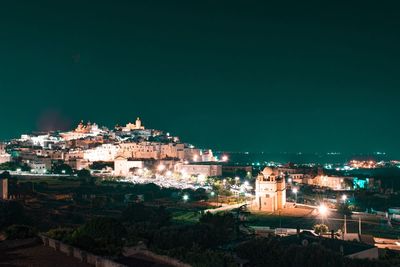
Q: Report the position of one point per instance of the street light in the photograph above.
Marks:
(295, 190)
(185, 197)
(344, 198)
(323, 211)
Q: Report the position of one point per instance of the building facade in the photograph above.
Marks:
(270, 191)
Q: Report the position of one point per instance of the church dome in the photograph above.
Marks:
(267, 171)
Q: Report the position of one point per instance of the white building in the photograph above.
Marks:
(208, 170)
(38, 167)
(105, 152)
(125, 167)
(4, 156)
(270, 191)
(82, 131)
(133, 126)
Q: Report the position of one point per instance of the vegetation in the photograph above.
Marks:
(100, 235)
(62, 168)
(344, 209)
(11, 212)
(320, 229)
(14, 165)
(19, 232)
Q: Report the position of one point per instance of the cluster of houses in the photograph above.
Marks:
(127, 148)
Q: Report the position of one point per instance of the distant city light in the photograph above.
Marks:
(295, 190)
(160, 167)
(185, 197)
(344, 198)
(224, 158)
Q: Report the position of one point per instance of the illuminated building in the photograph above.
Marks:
(208, 170)
(82, 131)
(270, 191)
(133, 126)
(105, 152)
(4, 156)
(124, 166)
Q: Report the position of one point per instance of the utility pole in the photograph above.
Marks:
(345, 225)
(359, 225)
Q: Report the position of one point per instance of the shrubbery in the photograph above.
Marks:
(18, 231)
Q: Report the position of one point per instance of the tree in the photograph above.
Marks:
(320, 229)
(62, 168)
(100, 235)
(86, 177)
(5, 175)
(19, 232)
(344, 209)
(11, 212)
(137, 212)
(222, 226)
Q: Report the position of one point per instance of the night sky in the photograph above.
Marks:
(230, 75)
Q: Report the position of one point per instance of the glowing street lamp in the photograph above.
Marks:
(344, 198)
(295, 191)
(185, 197)
(323, 211)
(224, 158)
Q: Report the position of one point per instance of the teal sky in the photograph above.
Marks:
(232, 75)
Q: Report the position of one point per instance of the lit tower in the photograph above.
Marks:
(138, 123)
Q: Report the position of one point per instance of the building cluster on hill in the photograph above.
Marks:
(127, 149)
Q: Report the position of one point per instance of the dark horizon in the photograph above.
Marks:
(230, 76)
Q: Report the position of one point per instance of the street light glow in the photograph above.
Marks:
(185, 197)
(295, 190)
(323, 210)
(344, 198)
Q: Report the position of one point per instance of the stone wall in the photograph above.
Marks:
(82, 255)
